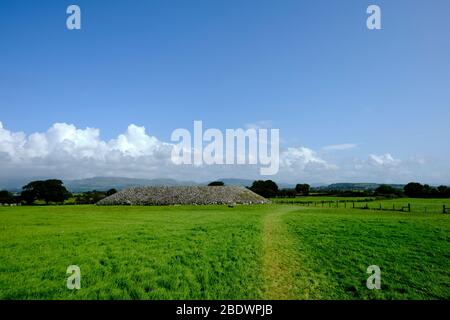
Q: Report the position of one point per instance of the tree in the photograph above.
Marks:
(386, 189)
(29, 196)
(287, 193)
(6, 197)
(30, 191)
(414, 190)
(48, 190)
(266, 189)
(110, 192)
(303, 189)
(443, 191)
(90, 197)
(216, 184)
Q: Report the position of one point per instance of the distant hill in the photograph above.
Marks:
(106, 183)
(119, 183)
(237, 182)
(15, 185)
(356, 186)
(248, 183)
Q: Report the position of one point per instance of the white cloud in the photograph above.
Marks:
(383, 160)
(10, 141)
(262, 124)
(67, 152)
(300, 158)
(340, 147)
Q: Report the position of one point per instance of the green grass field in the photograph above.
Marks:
(417, 205)
(319, 199)
(215, 252)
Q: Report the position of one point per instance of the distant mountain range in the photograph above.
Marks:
(119, 183)
(106, 183)
(356, 186)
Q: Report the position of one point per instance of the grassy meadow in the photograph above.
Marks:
(417, 205)
(214, 252)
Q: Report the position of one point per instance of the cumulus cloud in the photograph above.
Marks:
(299, 158)
(67, 152)
(65, 141)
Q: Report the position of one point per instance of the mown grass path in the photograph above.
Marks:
(280, 260)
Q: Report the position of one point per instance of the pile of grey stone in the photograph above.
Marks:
(195, 195)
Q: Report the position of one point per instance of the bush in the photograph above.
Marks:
(216, 184)
(287, 193)
(110, 192)
(387, 191)
(90, 197)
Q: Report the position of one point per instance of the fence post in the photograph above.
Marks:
(353, 204)
(345, 204)
(444, 210)
(409, 207)
(337, 204)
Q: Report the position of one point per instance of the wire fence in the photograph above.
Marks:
(372, 204)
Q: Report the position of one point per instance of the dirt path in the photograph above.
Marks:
(286, 277)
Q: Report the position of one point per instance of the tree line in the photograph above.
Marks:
(54, 191)
(269, 189)
(51, 191)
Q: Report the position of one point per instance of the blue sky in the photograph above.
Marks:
(310, 68)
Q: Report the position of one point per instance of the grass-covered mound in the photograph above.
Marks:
(200, 195)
